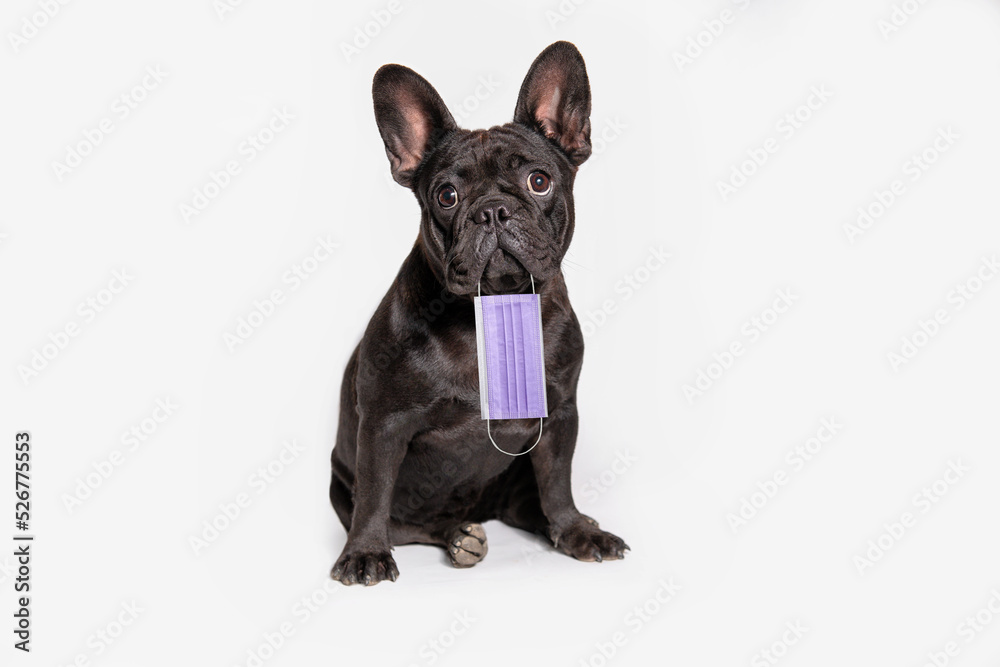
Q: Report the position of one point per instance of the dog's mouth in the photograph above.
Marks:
(502, 263)
(503, 273)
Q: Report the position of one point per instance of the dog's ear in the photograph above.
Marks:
(555, 100)
(411, 118)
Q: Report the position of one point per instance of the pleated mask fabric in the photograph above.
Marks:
(511, 356)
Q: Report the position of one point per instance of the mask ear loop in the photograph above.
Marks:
(479, 288)
(519, 453)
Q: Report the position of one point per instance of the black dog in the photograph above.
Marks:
(412, 462)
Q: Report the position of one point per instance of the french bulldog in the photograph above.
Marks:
(412, 462)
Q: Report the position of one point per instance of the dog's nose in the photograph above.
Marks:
(492, 213)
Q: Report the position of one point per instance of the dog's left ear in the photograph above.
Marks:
(555, 100)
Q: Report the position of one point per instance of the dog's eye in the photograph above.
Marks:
(447, 196)
(539, 183)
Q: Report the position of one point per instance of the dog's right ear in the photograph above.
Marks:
(411, 118)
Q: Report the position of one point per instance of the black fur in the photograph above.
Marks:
(412, 462)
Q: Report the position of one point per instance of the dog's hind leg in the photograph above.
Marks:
(465, 544)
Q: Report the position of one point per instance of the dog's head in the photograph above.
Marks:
(497, 204)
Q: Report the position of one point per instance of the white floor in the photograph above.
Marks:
(746, 158)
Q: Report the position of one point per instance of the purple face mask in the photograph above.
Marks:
(511, 356)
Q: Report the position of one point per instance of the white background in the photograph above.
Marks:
(669, 134)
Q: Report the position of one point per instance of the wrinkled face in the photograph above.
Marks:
(497, 206)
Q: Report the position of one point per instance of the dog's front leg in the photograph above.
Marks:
(366, 558)
(571, 532)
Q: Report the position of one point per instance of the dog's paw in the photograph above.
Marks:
(364, 567)
(583, 540)
(467, 545)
